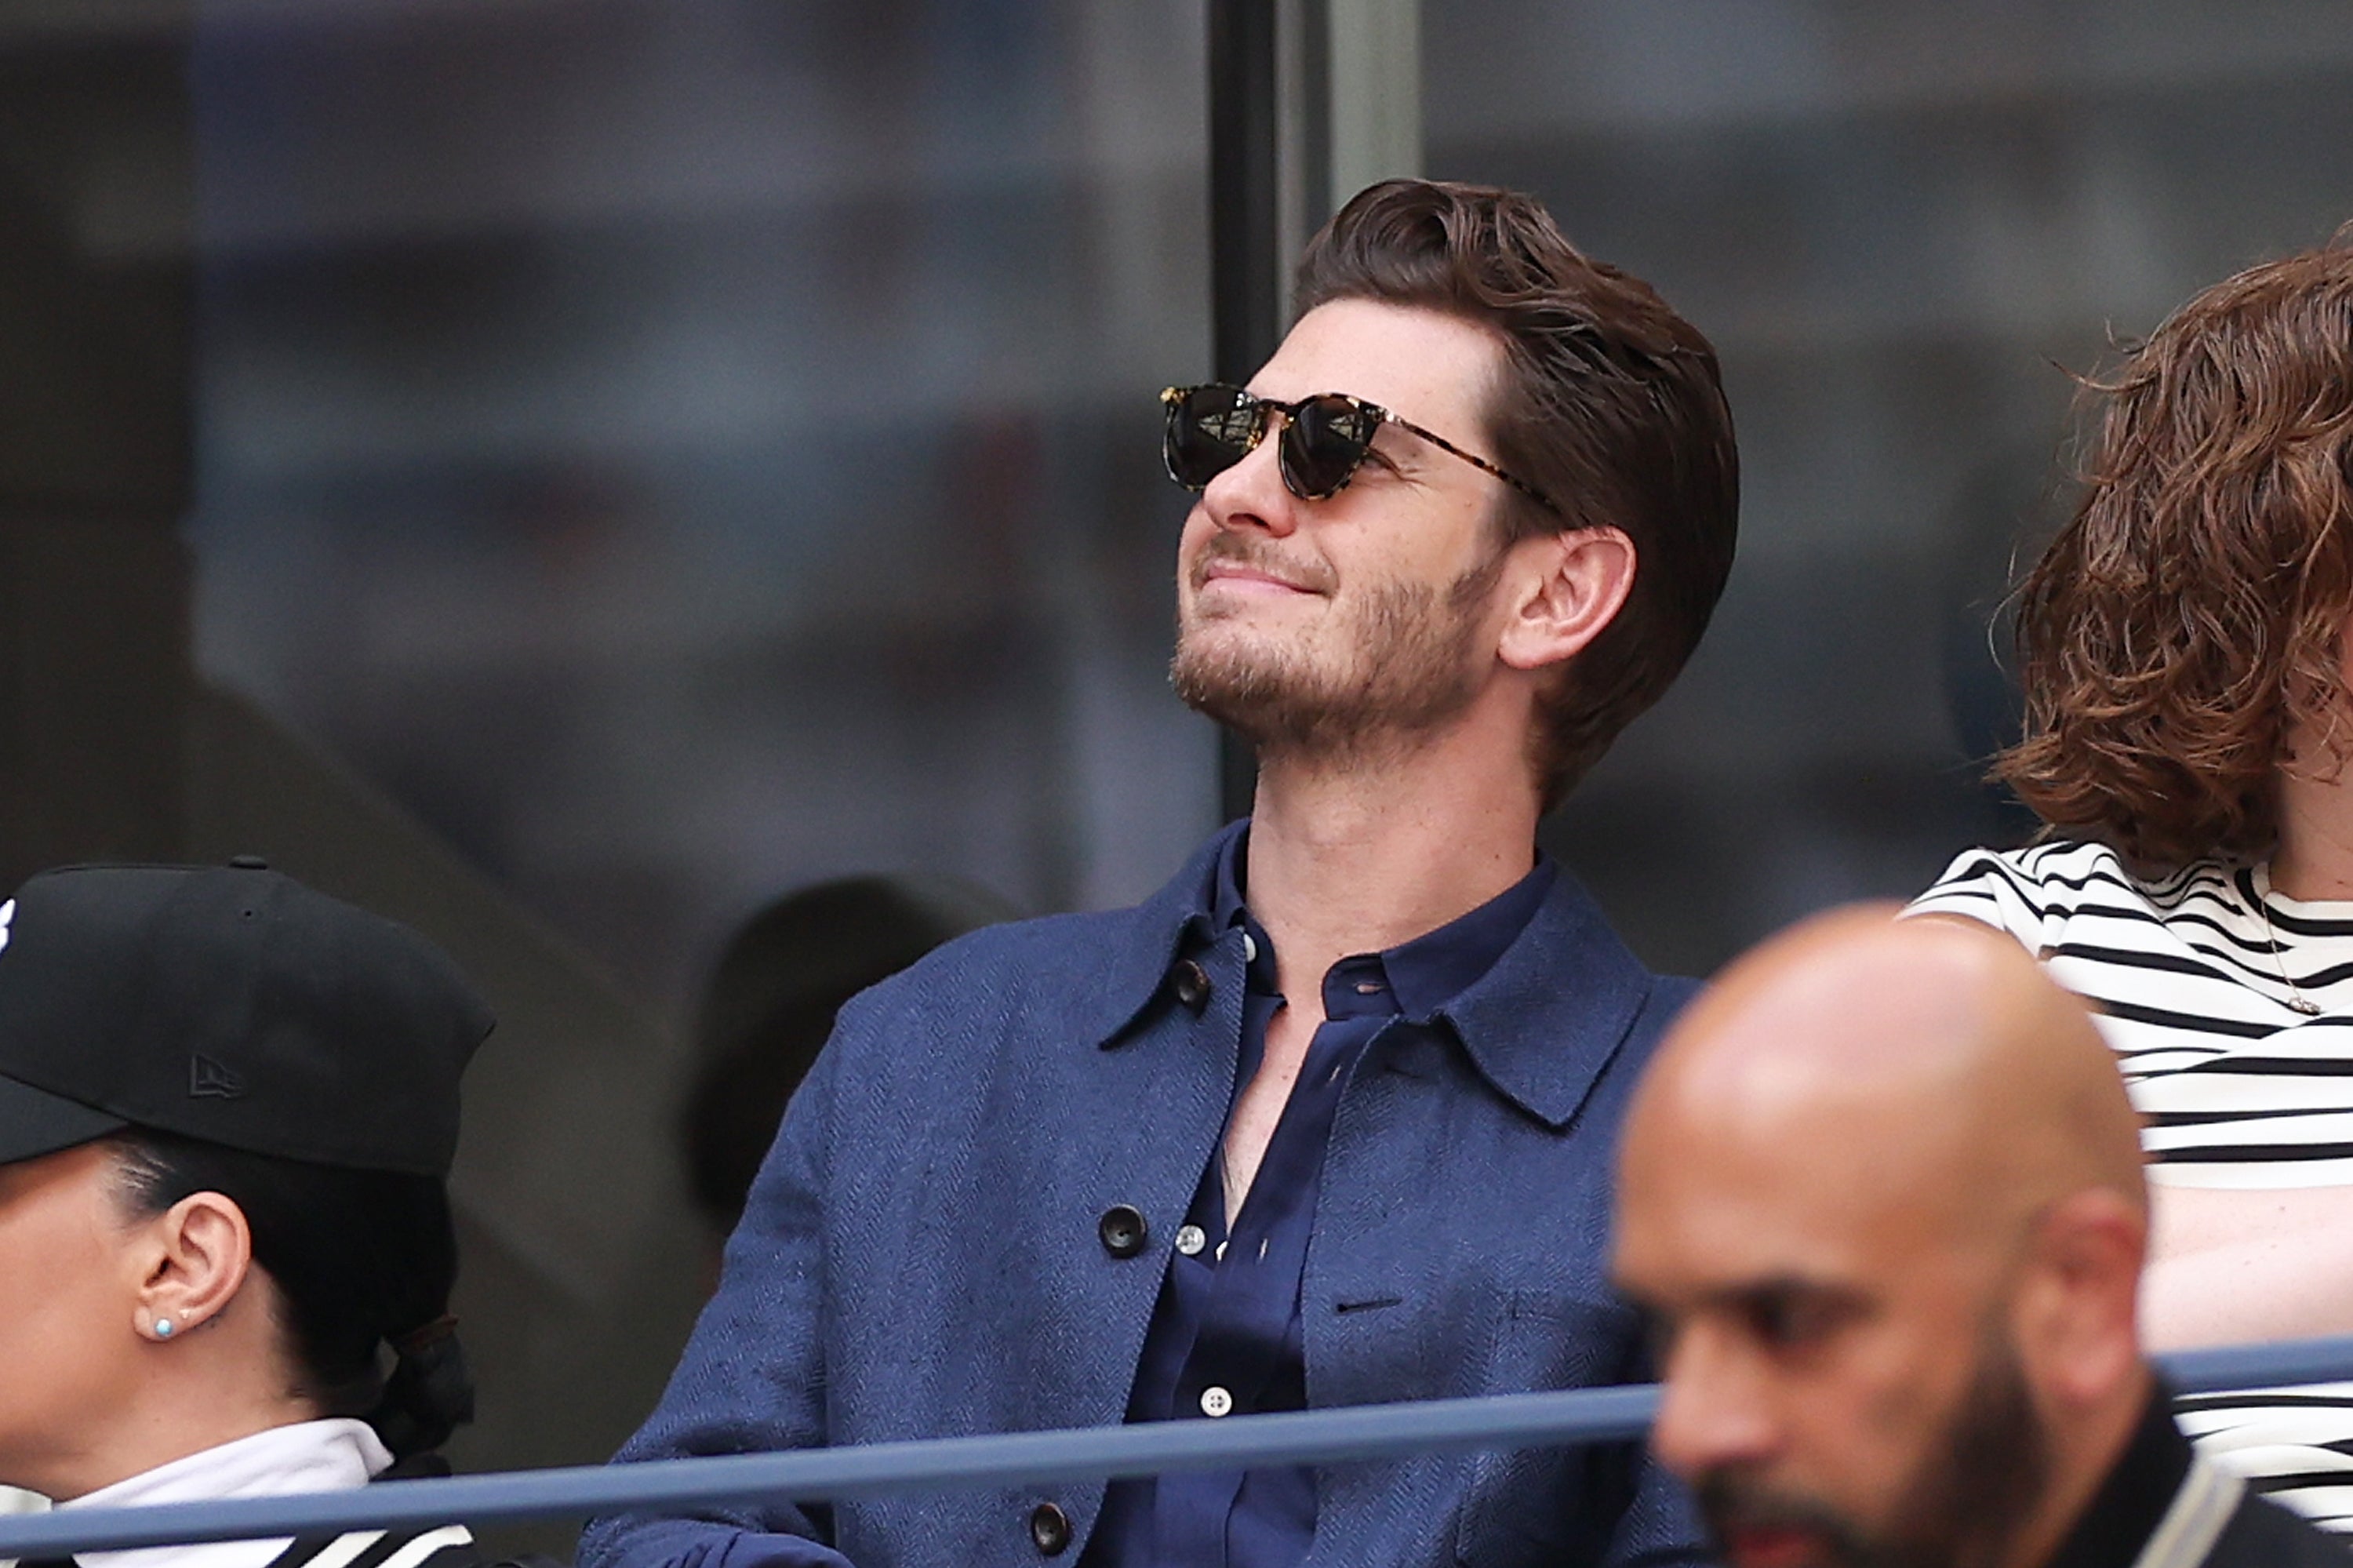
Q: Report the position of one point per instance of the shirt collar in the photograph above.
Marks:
(1541, 1023)
(303, 1457)
(333, 1455)
(1431, 970)
(1423, 974)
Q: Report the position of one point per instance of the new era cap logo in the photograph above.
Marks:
(208, 1080)
(8, 917)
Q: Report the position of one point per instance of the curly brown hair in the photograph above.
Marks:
(2188, 620)
(1609, 403)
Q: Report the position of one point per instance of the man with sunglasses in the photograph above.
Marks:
(1329, 1119)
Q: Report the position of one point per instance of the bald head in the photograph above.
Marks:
(1930, 1060)
(1880, 1188)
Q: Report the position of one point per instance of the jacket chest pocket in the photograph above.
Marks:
(1551, 1505)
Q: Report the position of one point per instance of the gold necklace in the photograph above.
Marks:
(2296, 1001)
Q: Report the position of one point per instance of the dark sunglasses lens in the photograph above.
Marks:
(1210, 428)
(1322, 446)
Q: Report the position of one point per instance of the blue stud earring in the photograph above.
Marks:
(162, 1328)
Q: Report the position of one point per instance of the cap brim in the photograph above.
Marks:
(34, 1122)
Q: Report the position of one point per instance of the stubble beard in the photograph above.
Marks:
(1963, 1506)
(1403, 661)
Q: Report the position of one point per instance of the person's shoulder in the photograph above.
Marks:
(1570, 974)
(2270, 1534)
(1053, 957)
(1670, 993)
(2023, 891)
(1082, 973)
(1042, 951)
(2070, 863)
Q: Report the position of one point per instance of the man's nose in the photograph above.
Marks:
(1251, 495)
(1713, 1409)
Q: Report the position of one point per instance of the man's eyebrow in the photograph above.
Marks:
(1784, 1287)
(1760, 1287)
(1763, 1291)
(1786, 1283)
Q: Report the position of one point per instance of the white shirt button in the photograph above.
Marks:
(1216, 1401)
(1191, 1239)
(1249, 949)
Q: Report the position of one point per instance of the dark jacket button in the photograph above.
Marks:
(1123, 1230)
(1191, 983)
(1050, 1528)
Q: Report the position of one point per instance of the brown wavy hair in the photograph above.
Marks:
(1609, 403)
(2188, 617)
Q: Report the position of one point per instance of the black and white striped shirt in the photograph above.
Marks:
(438, 1546)
(434, 1546)
(2191, 976)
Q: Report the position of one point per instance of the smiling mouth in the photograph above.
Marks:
(1248, 578)
(1242, 567)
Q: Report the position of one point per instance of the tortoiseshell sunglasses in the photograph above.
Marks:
(1323, 441)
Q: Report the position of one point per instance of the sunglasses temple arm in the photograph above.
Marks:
(1475, 461)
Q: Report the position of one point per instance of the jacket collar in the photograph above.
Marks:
(1546, 1018)
(1157, 931)
(1539, 1026)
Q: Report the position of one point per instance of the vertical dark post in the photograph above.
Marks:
(94, 444)
(1245, 268)
(1310, 154)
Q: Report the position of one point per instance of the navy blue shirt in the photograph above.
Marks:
(1225, 1336)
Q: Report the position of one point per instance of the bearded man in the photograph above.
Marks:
(1881, 1193)
(1329, 1119)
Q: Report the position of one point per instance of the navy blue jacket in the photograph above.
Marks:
(922, 1254)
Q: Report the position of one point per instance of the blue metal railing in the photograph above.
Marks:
(1320, 1436)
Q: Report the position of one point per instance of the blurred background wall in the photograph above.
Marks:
(676, 451)
(567, 471)
(1902, 222)
(685, 447)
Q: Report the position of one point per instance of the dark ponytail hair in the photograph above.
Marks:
(362, 1260)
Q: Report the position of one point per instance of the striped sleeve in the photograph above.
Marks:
(1993, 886)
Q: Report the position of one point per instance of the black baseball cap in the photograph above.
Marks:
(231, 1004)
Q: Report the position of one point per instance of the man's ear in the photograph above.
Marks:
(2076, 1315)
(1566, 588)
(193, 1259)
